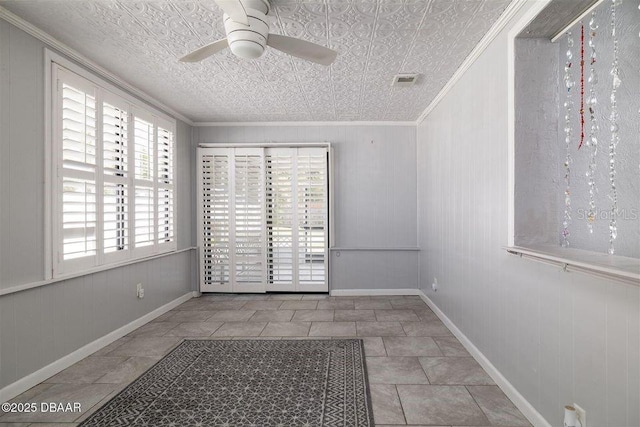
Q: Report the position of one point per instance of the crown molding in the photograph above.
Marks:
(73, 54)
(308, 123)
(511, 10)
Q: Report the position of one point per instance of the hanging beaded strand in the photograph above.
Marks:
(592, 140)
(581, 86)
(615, 138)
(568, 108)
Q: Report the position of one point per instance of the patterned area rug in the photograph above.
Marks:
(248, 383)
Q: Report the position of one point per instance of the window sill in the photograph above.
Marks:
(374, 249)
(613, 267)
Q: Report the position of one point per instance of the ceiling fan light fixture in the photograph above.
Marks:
(247, 49)
(247, 42)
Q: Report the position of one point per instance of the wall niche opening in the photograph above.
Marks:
(576, 164)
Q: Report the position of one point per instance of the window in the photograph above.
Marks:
(113, 188)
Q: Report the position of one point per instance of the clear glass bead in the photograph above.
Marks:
(616, 80)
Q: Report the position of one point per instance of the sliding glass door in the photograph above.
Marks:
(263, 219)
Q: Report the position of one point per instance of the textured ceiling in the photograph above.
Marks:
(141, 40)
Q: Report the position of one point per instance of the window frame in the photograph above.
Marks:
(57, 66)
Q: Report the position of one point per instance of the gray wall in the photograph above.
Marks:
(375, 196)
(557, 337)
(540, 152)
(40, 325)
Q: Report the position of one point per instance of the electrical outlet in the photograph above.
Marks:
(581, 414)
(434, 285)
(139, 290)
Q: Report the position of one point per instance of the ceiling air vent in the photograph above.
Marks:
(404, 80)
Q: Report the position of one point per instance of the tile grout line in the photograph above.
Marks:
(404, 415)
(466, 387)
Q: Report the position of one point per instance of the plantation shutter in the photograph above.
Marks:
(280, 198)
(115, 146)
(76, 173)
(249, 214)
(144, 185)
(312, 218)
(231, 234)
(165, 184)
(215, 216)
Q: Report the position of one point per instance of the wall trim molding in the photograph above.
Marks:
(326, 145)
(373, 292)
(306, 123)
(482, 45)
(73, 54)
(374, 249)
(14, 389)
(512, 393)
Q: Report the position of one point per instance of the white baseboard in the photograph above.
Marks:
(373, 292)
(35, 378)
(512, 393)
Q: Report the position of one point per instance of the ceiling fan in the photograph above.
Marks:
(245, 22)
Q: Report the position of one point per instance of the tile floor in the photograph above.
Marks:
(420, 374)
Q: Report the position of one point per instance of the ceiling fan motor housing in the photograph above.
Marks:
(249, 42)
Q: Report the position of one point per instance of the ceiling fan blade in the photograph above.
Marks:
(302, 49)
(235, 9)
(205, 51)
